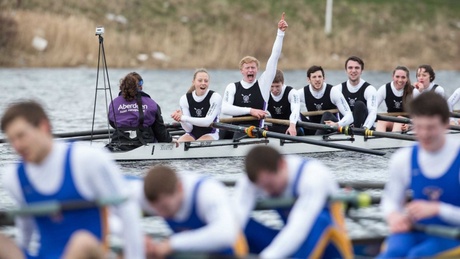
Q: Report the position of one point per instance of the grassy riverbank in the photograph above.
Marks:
(217, 33)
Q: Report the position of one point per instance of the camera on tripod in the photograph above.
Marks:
(99, 30)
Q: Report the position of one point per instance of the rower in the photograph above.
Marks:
(314, 228)
(452, 101)
(57, 171)
(425, 78)
(430, 170)
(360, 95)
(396, 95)
(250, 95)
(283, 104)
(198, 109)
(319, 95)
(133, 126)
(196, 208)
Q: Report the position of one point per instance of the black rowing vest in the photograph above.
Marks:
(353, 97)
(249, 98)
(313, 104)
(199, 110)
(393, 102)
(282, 109)
(434, 87)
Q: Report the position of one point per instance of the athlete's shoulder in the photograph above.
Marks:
(216, 96)
(83, 153)
(402, 155)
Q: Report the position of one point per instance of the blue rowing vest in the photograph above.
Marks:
(193, 221)
(284, 213)
(55, 231)
(444, 189)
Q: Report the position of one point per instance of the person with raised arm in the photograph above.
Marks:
(430, 171)
(52, 170)
(199, 107)
(318, 95)
(360, 95)
(250, 95)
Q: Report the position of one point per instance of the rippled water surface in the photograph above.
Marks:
(69, 97)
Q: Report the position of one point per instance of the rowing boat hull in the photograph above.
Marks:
(227, 148)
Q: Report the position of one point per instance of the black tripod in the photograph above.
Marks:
(106, 87)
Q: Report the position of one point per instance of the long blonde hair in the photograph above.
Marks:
(199, 70)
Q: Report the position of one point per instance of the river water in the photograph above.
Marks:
(69, 97)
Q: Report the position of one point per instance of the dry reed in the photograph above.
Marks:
(191, 44)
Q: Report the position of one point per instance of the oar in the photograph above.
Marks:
(320, 112)
(407, 121)
(353, 185)
(455, 114)
(253, 132)
(251, 118)
(345, 130)
(350, 199)
(53, 207)
(438, 230)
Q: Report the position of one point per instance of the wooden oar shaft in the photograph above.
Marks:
(321, 112)
(394, 119)
(237, 119)
(265, 133)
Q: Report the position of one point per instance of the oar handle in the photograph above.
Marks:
(438, 230)
(51, 207)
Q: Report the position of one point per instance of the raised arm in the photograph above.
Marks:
(213, 112)
(371, 97)
(338, 100)
(266, 79)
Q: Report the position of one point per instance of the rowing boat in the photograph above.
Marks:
(229, 148)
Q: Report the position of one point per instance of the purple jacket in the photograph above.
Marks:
(127, 113)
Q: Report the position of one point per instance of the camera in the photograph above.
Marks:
(99, 30)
